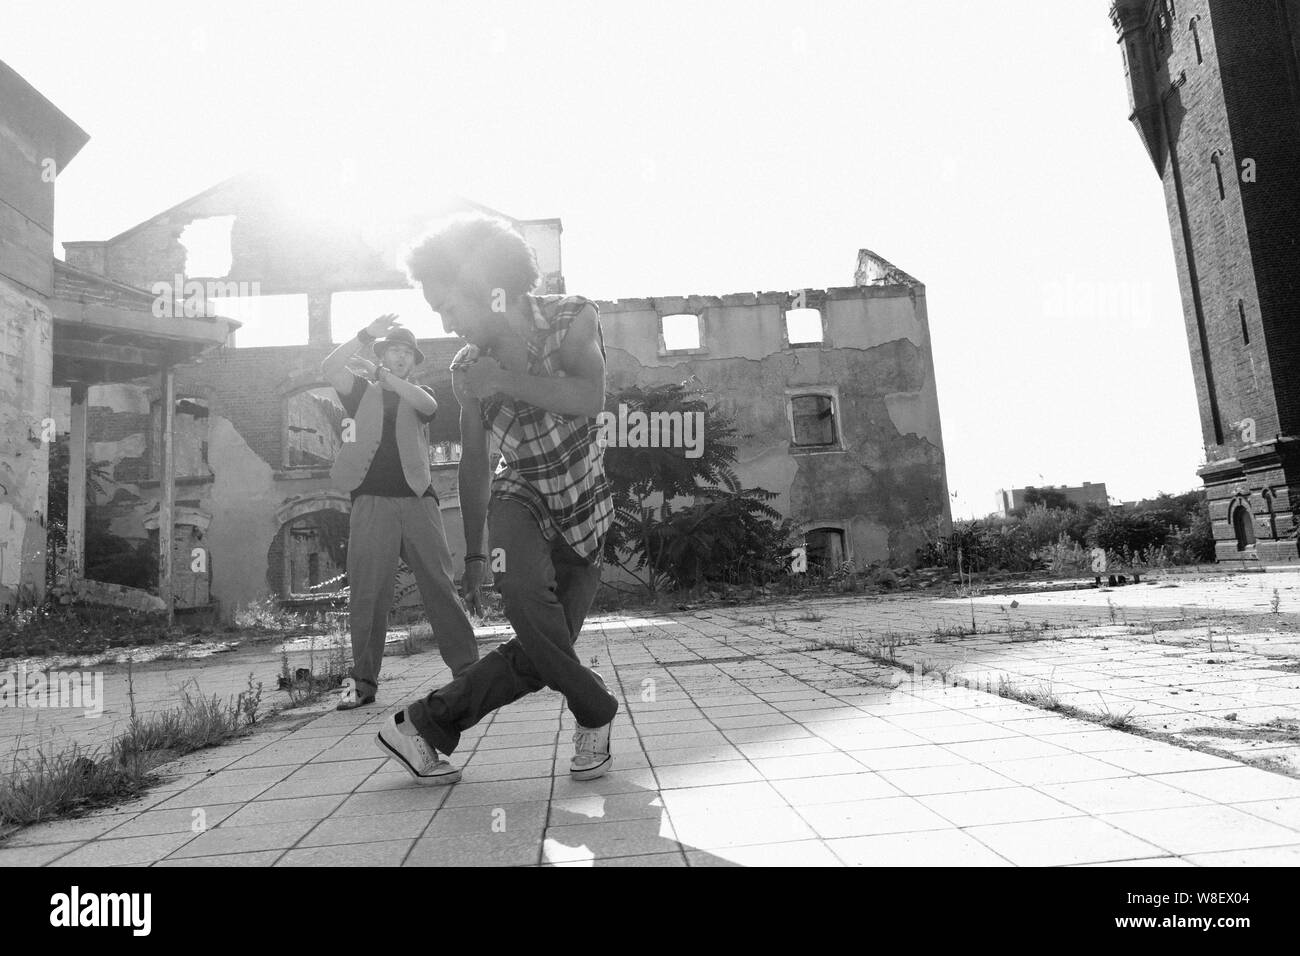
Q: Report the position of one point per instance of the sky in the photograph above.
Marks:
(708, 148)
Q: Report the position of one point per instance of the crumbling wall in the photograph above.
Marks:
(884, 484)
(26, 362)
(32, 134)
(290, 244)
(246, 392)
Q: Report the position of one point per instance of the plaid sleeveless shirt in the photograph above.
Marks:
(552, 463)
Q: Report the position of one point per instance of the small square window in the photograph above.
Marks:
(680, 332)
(813, 418)
(803, 326)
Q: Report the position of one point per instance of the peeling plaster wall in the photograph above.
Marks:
(246, 391)
(27, 137)
(242, 500)
(26, 363)
(887, 486)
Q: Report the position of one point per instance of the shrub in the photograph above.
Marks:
(1045, 526)
(726, 535)
(1130, 531)
(985, 544)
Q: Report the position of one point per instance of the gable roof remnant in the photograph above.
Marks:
(874, 269)
(261, 178)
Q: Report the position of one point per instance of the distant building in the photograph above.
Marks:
(1009, 500)
(1214, 87)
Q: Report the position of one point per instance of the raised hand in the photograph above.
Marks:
(381, 326)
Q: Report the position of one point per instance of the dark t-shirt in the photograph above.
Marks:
(385, 477)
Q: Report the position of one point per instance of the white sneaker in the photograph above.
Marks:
(591, 756)
(424, 763)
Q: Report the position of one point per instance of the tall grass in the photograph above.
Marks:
(49, 784)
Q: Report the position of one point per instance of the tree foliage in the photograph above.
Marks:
(723, 533)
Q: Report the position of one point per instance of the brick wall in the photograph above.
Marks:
(1236, 100)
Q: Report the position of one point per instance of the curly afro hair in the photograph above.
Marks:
(478, 253)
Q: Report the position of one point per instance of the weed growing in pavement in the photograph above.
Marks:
(1113, 720)
(250, 700)
(1044, 697)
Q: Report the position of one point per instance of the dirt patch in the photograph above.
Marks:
(1275, 731)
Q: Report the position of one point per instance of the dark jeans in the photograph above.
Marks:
(547, 590)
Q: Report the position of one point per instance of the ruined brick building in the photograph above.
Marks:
(62, 331)
(1215, 92)
(834, 390)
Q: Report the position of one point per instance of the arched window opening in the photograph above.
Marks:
(1243, 527)
(1272, 515)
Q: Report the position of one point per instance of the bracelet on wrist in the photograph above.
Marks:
(475, 557)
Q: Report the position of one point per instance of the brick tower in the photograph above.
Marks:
(1215, 94)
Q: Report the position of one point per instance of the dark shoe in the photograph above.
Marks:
(351, 700)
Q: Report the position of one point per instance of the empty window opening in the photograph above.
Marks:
(207, 247)
(313, 428)
(350, 311)
(266, 319)
(1218, 173)
(803, 326)
(813, 418)
(680, 332)
(1245, 332)
(1196, 38)
(825, 548)
(1243, 527)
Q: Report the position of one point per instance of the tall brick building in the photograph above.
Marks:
(1215, 94)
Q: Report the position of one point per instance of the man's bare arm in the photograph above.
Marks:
(472, 476)
(580, 392)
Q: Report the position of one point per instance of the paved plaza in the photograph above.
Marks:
(782, 734)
